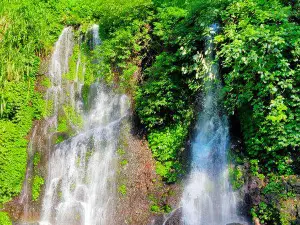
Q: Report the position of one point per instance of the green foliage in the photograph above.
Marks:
(168, 18)
(4, 219)
(125, 36)
(116, 14)
(165, 145)
(155, 208)
(274, 187)
(22, 106)
(38, 181)
(163, 99)
(122, 189)
(260, 49)
(119, 55)
(267, 214)
(236, 177)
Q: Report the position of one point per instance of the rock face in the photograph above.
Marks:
(138, 176)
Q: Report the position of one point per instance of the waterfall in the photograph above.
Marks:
(80, 185)
(207, 197)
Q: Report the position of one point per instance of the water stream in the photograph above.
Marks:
(80, 186)
(207, 197)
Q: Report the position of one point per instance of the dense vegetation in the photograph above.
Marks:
(153, 50)
(261, 51)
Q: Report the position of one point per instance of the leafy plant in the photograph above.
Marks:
(260, 74)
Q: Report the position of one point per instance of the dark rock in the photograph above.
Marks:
(296, 222)
(253, 190)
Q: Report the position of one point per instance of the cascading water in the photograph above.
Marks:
(207, 197)
(80, 186)
(42, 135)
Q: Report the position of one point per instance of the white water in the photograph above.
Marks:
(207, 197)
(80, 186)
(59, 65)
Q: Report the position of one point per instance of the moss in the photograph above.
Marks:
(38, 181)
(4, 219)
(124, 162)
(122, 189)
(121, 152)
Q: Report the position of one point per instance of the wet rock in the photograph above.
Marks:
(158, 220)
(174, 218)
